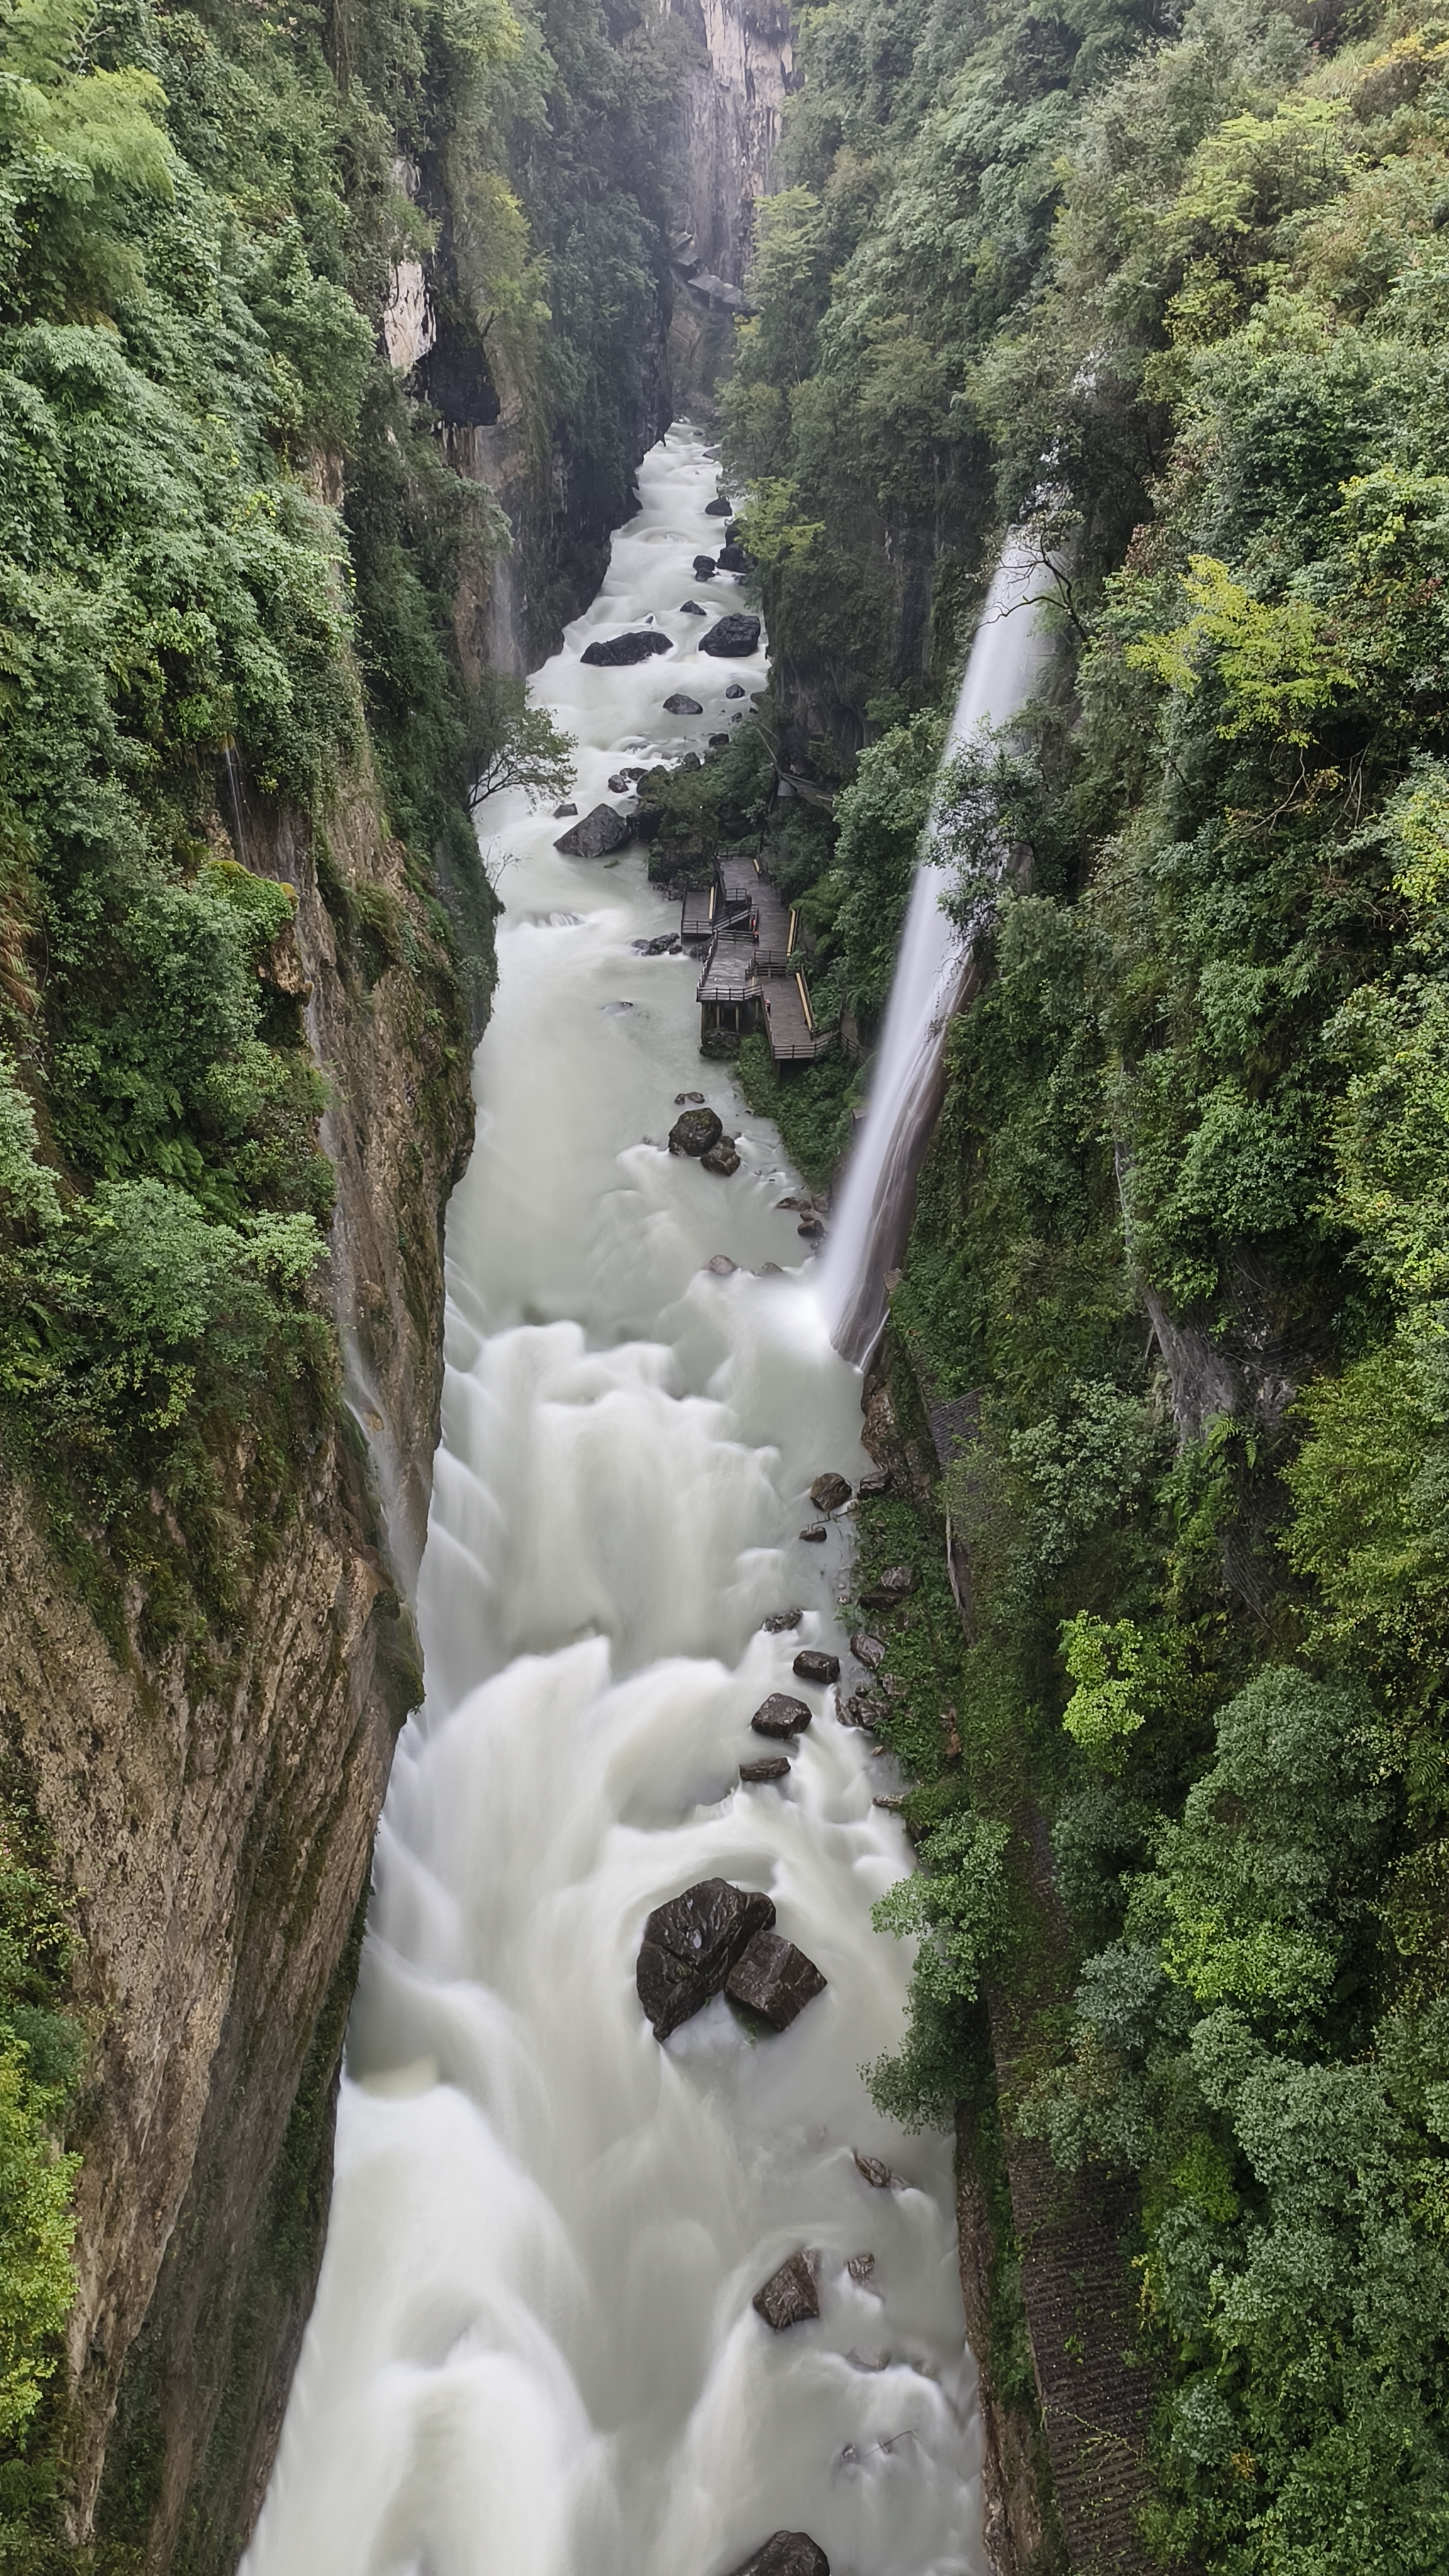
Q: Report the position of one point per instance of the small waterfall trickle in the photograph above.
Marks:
(869, 1234)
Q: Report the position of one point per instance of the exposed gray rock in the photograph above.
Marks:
(779, 1621)
(860, 2266)
(599, 832)
(689, 1100)
(732, 559)
(773, 1766)
(721, 1159)
(780, 1716)
(722, 1266)
(811, 1665)
(896, 1583)
(734, 690)
(609, 651)
(871, 1487)
(816, 1535)
(691, 608)
(694, 1131)
(774, 1979)
(733, 637)
(690, 1945)
(560, 811)
(679, 705)
(878, 2175)
(719, 508)
(867, 1650)
(786, 2553)
(704, 567)
(830, 1492)
(789, 2296)
(863, 1709)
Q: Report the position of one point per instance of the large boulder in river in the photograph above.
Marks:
(691, 608)
(695, 1131)
(789, 2296)
(690, 1946)
(896, 1583)
(779, 1716)
(704, 567)
(721, 1159)
(774, 1979)
(733, 637)
(786, 2553)
(830, 1493)
(680, 705)
(811, 1665)
(732, 559)
(601, 831)
(611, 650)
(719, 508)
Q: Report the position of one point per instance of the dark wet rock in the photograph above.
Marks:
(830, 1492)
(780, 1622)
(816, 1535)
(773, 1767)
(879, 2176)
(810, 1225)
(691, 760)
(690, 1945)
(620, 783)
(774, 1979)
(786, 2553)
(732, 559)
(770, 1270)
(610, 651)
(721, 1159)
(789, 2296)
(811, 1665)
(871, 1487)
(860, 2266)
(722, 1266)
(680, 705)
(896, 1583)
(716, 741)
(735, 533)
(599, 832)
(560, 811)
(733, 637)
(867, 1650)
(719, 509)
(691, 608)
(863, 1709)
(734, 690)
(780, 1716)
(792, 1204)
(660, 946)
(704, 567)
(694, 1131)
(689, 1100)
(893, 1801)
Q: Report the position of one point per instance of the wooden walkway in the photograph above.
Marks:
(788, 1024)
(746, 983)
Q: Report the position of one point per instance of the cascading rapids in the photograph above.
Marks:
(871, 1223)
(533, 2351)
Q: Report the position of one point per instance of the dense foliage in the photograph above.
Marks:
(1181, 1239)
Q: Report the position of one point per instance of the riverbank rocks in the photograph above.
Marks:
(721, 1265)
(704, 567)
(811, 1665)
(896, 1584)
(608, 652)
(774, 1766)
(786, 2553)
(600, 832)
(867, 1650)
(789, 2296)
(863, 1709)
(680, 705)
(779, 1716)
(778, 1622)
(732, 559)
(860, 2266)
(694, 1131)
(830, 1493)
(871, 1487)
(734, 690)
(774, 1979)
(734, 637)
(689, 1100)
(691, 608)
(878, 2175)
(811, 1226)
(560, 811)
(816, 1535)
(719, 509)
(721, 1159)
(690, 1945)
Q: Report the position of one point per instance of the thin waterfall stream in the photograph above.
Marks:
(533, 2350)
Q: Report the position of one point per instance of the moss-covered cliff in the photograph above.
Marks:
(328, 343)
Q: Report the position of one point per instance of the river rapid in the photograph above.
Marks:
(533, 2351)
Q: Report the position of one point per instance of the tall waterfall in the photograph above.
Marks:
(534, 2350)
(869, 1233)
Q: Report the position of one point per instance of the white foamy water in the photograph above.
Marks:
(533, 2351)
(872, 1221)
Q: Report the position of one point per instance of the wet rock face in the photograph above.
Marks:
(680, 705)
(789, 2296)
(690, 1946)
(691, 608)
(774, 1979)
(780, 1716)
(778, 1621)
(811, 1665)
(721, 1159)
(830, 1492)
(704, 567)
(867, 1650)
(600, 832)
(609, 651)
(695, 1131)
(733, 637)
(786, 2553)
(732, 559)
(897, 1582)
(774, 1766)
(719, 508)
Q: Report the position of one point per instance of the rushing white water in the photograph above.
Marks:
(872, 1220)
(533, 2351)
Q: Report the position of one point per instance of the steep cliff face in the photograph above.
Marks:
(214, 1833)
(741, 68)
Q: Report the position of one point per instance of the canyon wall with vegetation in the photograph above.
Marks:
(328, 344)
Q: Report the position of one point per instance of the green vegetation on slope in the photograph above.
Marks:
(1182, 1232)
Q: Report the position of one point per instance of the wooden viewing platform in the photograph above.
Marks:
(747, 983)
